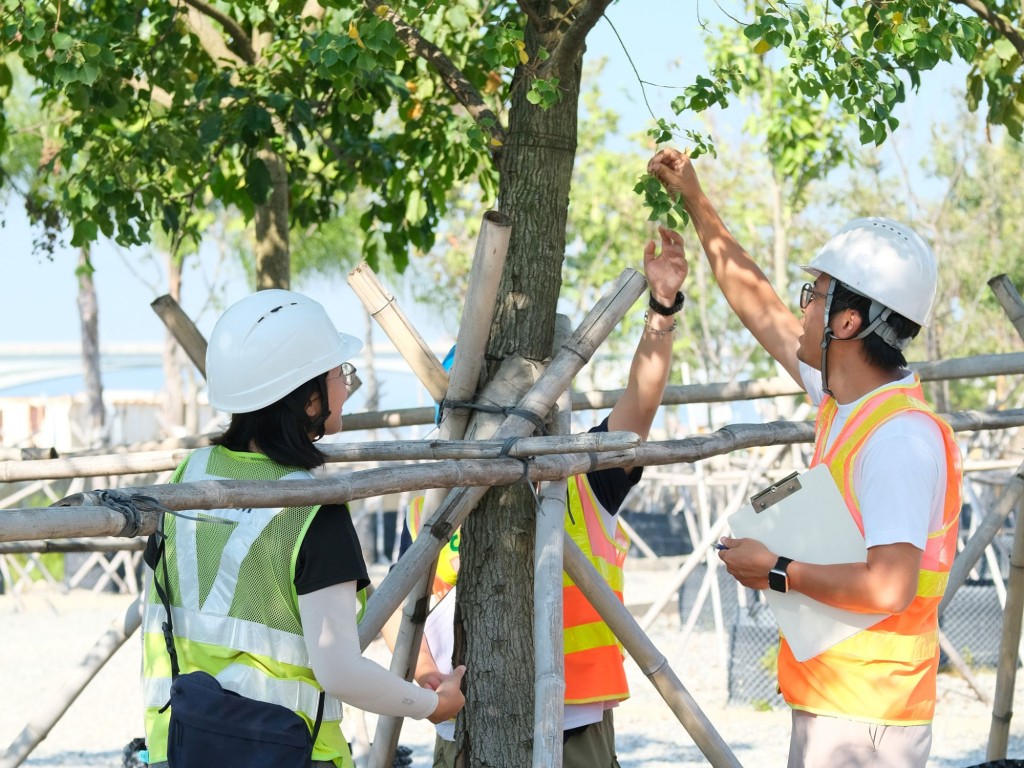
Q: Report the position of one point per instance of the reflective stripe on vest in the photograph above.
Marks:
(213, 634)
(593, 657)
(447, 571)
(886, 673)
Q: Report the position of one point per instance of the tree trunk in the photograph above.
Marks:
(88, 311)
(174, 400)
(494, 610)
(273, 265)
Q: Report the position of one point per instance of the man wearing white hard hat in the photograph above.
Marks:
(868, 701)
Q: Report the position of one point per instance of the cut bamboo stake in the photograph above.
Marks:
(961, 667)
(1009, 645)
(548, 626)
(650, 660)
(383, 307)
(1009, 300)
(38, 728)
(183, 330)
(383, 450)
(475, 325)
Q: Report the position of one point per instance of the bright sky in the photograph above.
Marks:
(38, 297)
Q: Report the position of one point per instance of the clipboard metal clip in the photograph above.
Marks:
(787, 486)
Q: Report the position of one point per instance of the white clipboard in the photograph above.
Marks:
(804, 517)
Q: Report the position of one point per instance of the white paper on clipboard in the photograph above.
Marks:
(805, 518)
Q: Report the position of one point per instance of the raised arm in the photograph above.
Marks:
(745, 286)
(648, 374)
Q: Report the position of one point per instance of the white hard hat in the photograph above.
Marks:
(885, 261)
(268, 344)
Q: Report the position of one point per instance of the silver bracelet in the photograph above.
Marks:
(658, 333)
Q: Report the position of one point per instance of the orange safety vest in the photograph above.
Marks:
(886, 673)
(594, 670)
(593, 656)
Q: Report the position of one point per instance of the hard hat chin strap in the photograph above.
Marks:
(826, 337)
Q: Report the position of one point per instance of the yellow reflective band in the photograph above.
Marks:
(887, 645)
(932, 583)
(588, 636)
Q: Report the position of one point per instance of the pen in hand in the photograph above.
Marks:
(720, 546)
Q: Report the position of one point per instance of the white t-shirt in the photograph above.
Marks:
(900, 474)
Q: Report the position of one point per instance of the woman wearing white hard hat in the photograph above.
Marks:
(266, 600)
(868, 700)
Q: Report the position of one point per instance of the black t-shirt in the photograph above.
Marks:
(610, 486)
(329, 554)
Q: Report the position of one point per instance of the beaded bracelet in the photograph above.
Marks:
(658, 333)
(661, 309)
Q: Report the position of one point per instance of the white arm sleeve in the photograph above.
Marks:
(332, 642)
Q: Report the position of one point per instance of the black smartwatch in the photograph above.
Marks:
(778, 579)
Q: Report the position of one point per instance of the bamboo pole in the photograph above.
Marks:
(939, 370)
(382, 450)
(383, 307)
(72, 545)
(183, 330)
(106, 646)
(961, 667)
(1009, 644)
(548, 626)
(475, 325)
(650, 660)
(1009, 300)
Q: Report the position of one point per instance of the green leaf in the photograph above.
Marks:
(62, 41)
(257, 181)
(84, 233)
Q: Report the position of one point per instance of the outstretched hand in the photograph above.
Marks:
(675, 172)
(666, 271)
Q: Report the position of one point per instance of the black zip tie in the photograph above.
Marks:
(533, 418)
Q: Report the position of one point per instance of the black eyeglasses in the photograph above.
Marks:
(808, 294)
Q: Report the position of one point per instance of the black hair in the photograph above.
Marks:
(282, 430)
(876, 351)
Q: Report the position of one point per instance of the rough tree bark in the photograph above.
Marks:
(273, 261)
(494, 635)
(88, 311)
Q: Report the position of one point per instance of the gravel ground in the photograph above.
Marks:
(46, 635)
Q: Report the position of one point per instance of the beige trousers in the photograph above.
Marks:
(830, 742)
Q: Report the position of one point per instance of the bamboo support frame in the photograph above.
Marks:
(1009, 645)
(105, 647)
(30, 524)
(383, 307)
(572, 356)
(650, 660)
(183, 329)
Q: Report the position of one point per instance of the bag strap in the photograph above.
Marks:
(168, 625)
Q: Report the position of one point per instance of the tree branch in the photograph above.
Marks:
(156, 93)
(999, 23)
(454, 80)
(531, 14)
(240, 47)
(588, 12)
